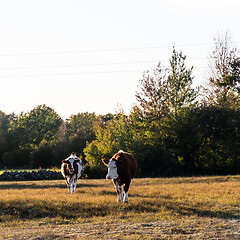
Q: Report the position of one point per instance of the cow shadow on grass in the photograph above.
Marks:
(140, 196)
(186, 210)
(166, 203)
(111, 193)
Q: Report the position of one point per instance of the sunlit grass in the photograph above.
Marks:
(166, 198)
(95, 201)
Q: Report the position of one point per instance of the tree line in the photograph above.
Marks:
(174, 129)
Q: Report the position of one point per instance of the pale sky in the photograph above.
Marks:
(88, 56)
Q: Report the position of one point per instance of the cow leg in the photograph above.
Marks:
(71, 183)
(68, 183)
(74, 184)
(126, 187)
(119, 191)
(120, 194)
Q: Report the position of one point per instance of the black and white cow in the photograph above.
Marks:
(122, 168)
(72, 169)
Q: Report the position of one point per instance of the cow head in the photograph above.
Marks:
(70, 161)
(112, 165)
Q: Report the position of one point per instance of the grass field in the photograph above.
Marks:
(159, 208)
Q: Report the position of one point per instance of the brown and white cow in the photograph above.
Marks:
(72, 169)
(122, 168)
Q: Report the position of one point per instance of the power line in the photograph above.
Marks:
(89, 64)
(77, 65)
(105, 50)
(68, 73)
(76, 73)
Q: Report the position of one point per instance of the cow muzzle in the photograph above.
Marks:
(107, 177)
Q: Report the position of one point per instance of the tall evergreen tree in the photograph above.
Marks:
(180, 79)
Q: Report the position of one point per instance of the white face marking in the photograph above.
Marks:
(71, 161)
(112, 170)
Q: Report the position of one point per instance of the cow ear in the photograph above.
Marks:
(105, 161)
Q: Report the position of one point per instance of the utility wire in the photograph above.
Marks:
(77, 65)
(75, 73)
(105, 50)
(89, 64)
(92, 64)
(67, 74)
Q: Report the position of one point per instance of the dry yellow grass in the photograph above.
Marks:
(164, 208)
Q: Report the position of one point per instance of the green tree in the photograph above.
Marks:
(165, 92)
(43, 156)
(153, 97)
(80, 129)
(111, 137)
(82, 124)
(4, 125)
(223, 85)
(41, 123)
(206, 140)
(152, 158)
(220, 130)
(231, 81)
(28, 131)
(180, 79)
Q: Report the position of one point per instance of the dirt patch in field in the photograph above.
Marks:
(200, 228)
